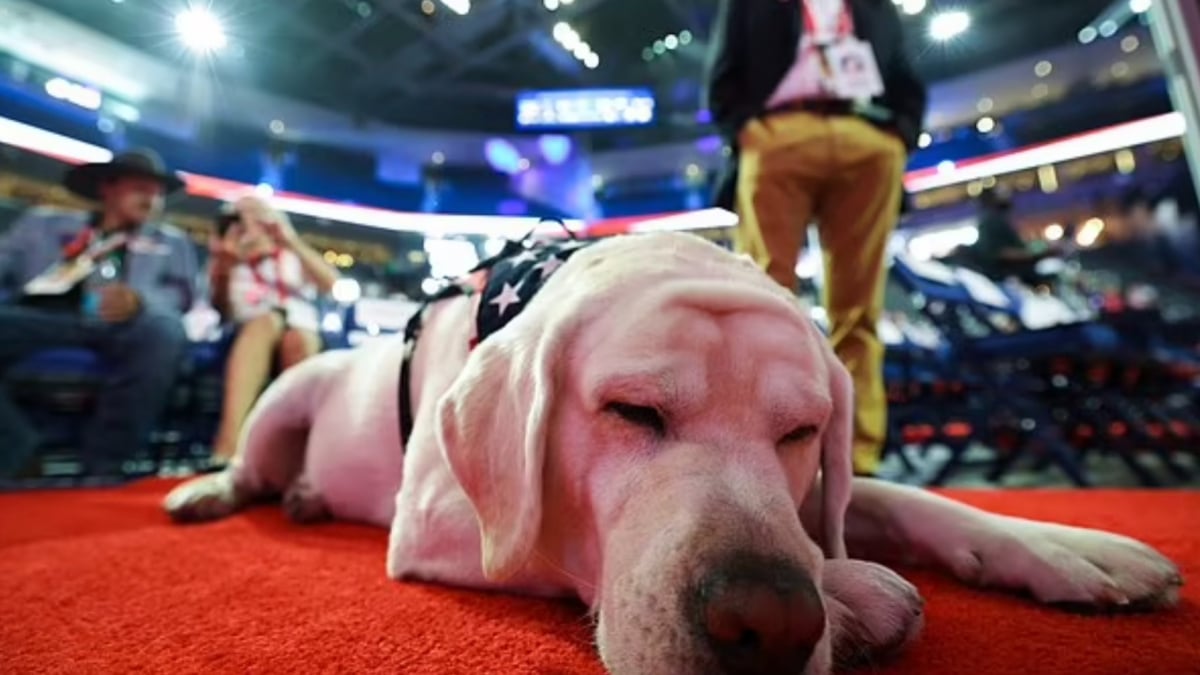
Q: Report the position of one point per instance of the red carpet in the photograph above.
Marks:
(99, 582)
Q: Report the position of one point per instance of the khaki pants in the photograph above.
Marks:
(846, 174)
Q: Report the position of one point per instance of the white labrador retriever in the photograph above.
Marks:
(643, 436)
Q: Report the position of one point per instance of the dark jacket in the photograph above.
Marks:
(754, 45)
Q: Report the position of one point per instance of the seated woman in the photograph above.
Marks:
(264, 279)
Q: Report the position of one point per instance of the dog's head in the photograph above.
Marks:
(649, 427)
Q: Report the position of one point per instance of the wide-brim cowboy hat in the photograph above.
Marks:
(85, 180)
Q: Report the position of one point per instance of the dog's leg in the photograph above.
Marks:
(873, 612)
(270, 454)
(1057, 564)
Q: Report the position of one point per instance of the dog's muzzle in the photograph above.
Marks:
(757, 614)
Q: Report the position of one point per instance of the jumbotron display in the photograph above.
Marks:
(583, 108)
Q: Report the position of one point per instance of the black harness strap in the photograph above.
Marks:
(412, 331)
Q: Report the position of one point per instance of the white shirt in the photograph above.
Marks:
(805, 79)
(263, 286)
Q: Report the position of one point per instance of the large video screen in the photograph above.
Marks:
(585, 108)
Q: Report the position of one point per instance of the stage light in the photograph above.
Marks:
(277, 127)
(671, 42)
(924, 140)
(459, 7)
(948, 25)
(1130, 43)
(78, 94)
(550, 5)
(592, 61)
(1108, 28)
(1090, 233)
(428, 8)
(1126, 161)
(985, 125)
(264, 190)
(200, 30)
(685, 37)
(1040, 90)
(985, 105)
(346, 291)
(659, 47)
(1119, 69)
(1088, 34)
(437, 158)
(1053, 232)
(582, 50)
(912, 6)
(1043, 68)
(1139, 6)
(946, 166)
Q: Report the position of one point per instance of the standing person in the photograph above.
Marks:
(115, 281)
(820, 105)
(264, 279)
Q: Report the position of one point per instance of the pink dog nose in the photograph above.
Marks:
(760, 616)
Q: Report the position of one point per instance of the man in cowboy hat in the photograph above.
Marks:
(127, 309)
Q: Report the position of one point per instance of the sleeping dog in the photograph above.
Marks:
(641, 433)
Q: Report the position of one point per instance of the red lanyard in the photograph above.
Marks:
(845, 27)
(78, 245)
(280, 286)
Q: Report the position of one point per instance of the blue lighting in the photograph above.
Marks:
(502, 156)
(556, 149)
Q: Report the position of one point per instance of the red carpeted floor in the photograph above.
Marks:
(99, 582)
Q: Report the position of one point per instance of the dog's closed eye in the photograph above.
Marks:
(799, 435)
(639, 415)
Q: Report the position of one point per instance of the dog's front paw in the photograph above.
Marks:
(1078, 568)
(202, 499)
(873, 612)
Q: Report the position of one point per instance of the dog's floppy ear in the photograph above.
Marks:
(837, 471)
(492, 433)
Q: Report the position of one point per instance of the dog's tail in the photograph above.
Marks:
(272, 445)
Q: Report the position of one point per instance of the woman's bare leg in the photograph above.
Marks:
(297, 345)
(246, 375)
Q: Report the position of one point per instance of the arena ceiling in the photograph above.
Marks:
(394, 61)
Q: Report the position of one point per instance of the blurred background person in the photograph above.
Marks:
(1001, 252)
(264, 280)
(1149, 241)
(821, 105)
(115, 281)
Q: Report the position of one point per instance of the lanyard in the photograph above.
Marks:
(280, 286)
(845, 24)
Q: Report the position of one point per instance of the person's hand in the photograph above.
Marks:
(118, 303)
(280, 230)
(221, 251)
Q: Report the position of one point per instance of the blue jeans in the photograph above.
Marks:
(141, 356)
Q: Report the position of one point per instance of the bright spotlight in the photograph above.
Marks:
(985, 125)
(200, 30)
(1108, 28)
(912, 6)
(925, 140)
(948, 25)
(1088, 34)
(592, 61)
(550, 4)
(346, 291)
(459, 7)
(1139, 6)
(671, 42)
(1054, 232)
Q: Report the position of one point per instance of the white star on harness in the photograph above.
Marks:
(548, 266)
(508, 296)
(522, 257)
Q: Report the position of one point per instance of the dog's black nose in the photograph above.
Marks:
(759, 615)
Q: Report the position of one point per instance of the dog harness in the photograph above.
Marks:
(504, 285)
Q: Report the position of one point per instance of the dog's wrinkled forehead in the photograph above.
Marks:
(632, 266)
